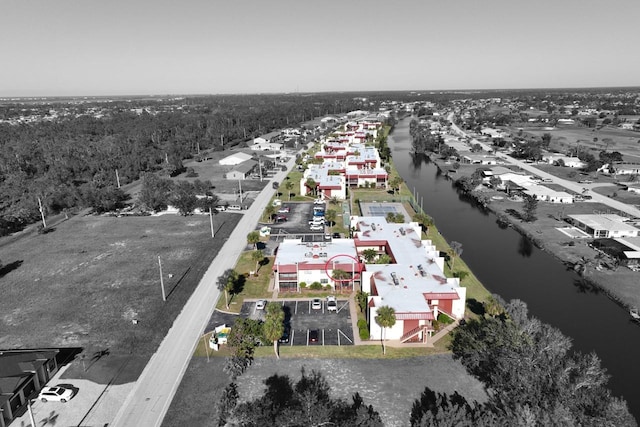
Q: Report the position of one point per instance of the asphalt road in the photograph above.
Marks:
(150, 397)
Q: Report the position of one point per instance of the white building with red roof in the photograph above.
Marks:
(413, 283)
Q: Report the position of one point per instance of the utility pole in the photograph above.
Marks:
(240, 190)
(222, 141)
(213, 234)
(117, 178)
(164, 297)
(33, 421)
(44, 223)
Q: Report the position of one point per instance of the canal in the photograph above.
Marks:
(510, 266)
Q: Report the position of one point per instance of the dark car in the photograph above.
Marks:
(280, 218)
(336, 235)
(313, 335)
(275, 185)
(285, 334)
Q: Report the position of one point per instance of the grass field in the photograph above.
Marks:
(83, 284)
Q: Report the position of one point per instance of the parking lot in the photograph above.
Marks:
(332, 328)
(297, 219)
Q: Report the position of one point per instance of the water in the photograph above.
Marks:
(510, 266)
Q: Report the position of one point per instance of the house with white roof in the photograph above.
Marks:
(570, 162)
(235, 159)
(606, 225)
(547, 194)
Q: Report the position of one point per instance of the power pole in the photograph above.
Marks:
(44, 223)
(117, 178)
(164, 297)
(213, 234)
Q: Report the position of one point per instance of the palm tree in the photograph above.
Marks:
(253, 238)
(423, 219)
(274, 324)
(386, 318)
(288, 185)
(227, 283)
(330, 216)
(455, 249)
(395, 183)
(369, 255)
(339, 276)
(257, 256)
(269, 211)
(312, 185)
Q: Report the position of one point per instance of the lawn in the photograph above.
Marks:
(254, 287)
(85, 283)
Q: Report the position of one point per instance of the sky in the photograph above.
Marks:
(157, 47)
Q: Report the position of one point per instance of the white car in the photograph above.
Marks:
(261, 304)
(316, 227)
(316, 304)
(56, 394)
(332, 304)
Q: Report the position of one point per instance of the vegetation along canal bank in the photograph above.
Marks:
(510, 265)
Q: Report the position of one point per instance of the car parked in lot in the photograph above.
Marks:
(314, 335)
(261, 304)
(332, 304)
(336, 235)
(316, 227)
(316, 304)
(285, 334)
(280, 218)
(284, 209)
(56, 394)
(318, 202)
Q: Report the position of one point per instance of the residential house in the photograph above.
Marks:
(606, 225)
(242, 171)
(626, 250)
(570, 162)
(547, 194)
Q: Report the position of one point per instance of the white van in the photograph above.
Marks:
(234, 207)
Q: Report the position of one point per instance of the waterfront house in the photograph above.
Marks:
(605, 225)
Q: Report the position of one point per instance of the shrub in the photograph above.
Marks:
(364, 333)
(316, 286)
(303, 285)
(327, 287)
(444, 319)
(362, 324)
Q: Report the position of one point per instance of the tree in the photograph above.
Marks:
(530, 206)
(395, 183)
(305, 403)
(227, 403)
(183, 197)
(386, 318)
(274, 324)
(361, 300)
(257, 256)
(455, 250)
(155, 191)
(384, 259)
(369, 255)
(330, 215)
(242, 340)
(340, 276)
(312, 185)
(288, 185)
(269, 211)
(253, 238)
(227, 283)
(425, 220)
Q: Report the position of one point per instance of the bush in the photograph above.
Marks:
(316, 286)
(303, 285)
(327, 287)
(362, 324)
(444, 319)
(364, 334)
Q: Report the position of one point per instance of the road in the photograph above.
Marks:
(571, 185)
(149, 400)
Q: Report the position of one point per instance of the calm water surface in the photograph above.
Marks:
(510, 266)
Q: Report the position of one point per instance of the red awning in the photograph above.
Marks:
(415, 316)
(441, 295)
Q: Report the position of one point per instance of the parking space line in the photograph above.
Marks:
(296, 309)
(323, 337)
(344, 335)
(346, 304)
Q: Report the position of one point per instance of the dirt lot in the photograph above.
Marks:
(390, 385)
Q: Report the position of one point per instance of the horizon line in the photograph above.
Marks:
(200, 94)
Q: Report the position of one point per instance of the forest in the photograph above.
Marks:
(75, 160)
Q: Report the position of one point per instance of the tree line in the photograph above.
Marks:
(79, 160)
